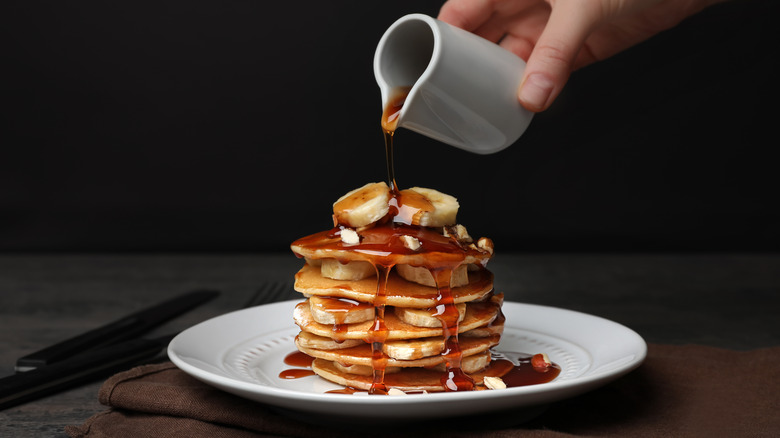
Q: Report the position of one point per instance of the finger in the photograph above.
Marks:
(551, 61)
(520, 46)
(466, 14)
(508, 17)
(524, 30)
(492, 30)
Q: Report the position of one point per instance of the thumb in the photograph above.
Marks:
(552, 59)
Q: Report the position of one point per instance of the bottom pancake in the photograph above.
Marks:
(405, 379)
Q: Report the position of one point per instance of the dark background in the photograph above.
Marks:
(233, 125)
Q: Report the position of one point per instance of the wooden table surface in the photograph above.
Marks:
(723, 300)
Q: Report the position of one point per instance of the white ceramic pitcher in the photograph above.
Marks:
(464, 87)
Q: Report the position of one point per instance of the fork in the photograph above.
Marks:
(271, 292)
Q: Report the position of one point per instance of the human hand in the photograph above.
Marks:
(556, 37)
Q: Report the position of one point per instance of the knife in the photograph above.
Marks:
(81, 368)
(129, 327)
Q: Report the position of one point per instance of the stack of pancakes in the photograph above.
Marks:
(403, 306)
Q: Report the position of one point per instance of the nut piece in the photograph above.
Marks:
(541, 363)
(494, 383)
(485, 244)
(411, 242)
(395, 391)
(458, 232)
(349, 236)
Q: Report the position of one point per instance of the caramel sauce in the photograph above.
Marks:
(515, 370)
(389, 124)
(345, 390)
(295, 373)
(338, 332)
(455, 379)
(297, 359)
(378, 333)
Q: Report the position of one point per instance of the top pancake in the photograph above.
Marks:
(382, 245)
(400, 293)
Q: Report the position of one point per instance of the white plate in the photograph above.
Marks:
(243, 352)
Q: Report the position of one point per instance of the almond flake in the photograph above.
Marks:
(485, 244)
(411, 242)
(349, 236)
(494, 383)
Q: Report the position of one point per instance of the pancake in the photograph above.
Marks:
(494, 328)
(407, 379)
(312, 341)
(478, 314)
(327, 245)
(362, 354)
(400, 293)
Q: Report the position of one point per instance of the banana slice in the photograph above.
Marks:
(470, 364)
(363, 206)
(421, 275)
(423, 317)
(413, 348)
(357, 270)
(445, 208)
(309, 340)
(327, 310)
(362, 370)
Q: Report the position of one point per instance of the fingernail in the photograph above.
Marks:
(535, 91)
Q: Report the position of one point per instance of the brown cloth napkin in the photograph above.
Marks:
(680, 391)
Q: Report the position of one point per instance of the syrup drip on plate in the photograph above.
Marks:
(515, 370)
(301, 361)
